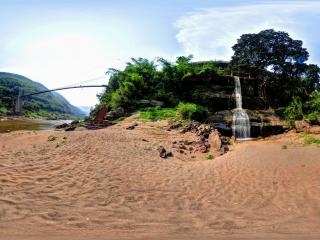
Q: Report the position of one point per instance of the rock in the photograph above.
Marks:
(143, 102)
(175, 125)
(132, 126)
(163, 152)
(70, 128)
(114, 114)
(148, 103)
(62, 126)
(156, 103)
(215, 141)
(314, 130)
(52, 117)
(301, 126)
(74, 122)
(202, 149)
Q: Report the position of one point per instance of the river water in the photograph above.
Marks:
(29, 124)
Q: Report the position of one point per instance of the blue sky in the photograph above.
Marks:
(62, 42)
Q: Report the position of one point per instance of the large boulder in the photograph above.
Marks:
(214, 140)
(115, 113)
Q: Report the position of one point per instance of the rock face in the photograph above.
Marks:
(149, 103)
(263, 122)
(114, 114)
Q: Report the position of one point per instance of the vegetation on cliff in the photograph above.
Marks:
(46, 104)
(161, 80)
(274, 63)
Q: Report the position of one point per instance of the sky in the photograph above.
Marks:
(63, 42)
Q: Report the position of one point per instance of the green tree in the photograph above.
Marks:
(279, 62)
(272, 51)
(161, 80)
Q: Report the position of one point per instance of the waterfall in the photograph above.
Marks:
(240, 119)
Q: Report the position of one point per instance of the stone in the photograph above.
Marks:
(215, 141)
(74, 122)
(301, 126)
(70, 128)
(156, 103)
(175, 125)
(143, 102)
(202, 149)
(114, 114)
(132, 126)
(62, 126)
(163, 152)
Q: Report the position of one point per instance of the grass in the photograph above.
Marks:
(156, 113)
(52, 138)
(209, 156)
(310, 139)
(284, 147)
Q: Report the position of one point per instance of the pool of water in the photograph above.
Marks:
(29, 124)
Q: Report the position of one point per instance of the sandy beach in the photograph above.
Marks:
(112, 184)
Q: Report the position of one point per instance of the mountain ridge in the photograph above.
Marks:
(43, 104)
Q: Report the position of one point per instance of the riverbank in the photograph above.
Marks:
(112, 184)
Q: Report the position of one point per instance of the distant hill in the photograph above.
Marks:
(44, 104)
(85, 109)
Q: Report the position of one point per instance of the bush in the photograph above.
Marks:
(185, 110)
(188, 111)
(313, 117)
(313, 109)
(209, 156)
(293, 111)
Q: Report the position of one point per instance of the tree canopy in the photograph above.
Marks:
(278, 60)
(155, 80)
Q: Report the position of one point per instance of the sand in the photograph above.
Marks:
(112, 184)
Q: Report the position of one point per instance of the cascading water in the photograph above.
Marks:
(240, 119)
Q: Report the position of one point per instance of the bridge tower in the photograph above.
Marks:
(18, 103)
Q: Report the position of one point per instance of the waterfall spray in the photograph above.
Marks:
(240, 119)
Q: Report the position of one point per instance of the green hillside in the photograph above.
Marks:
(45, 104)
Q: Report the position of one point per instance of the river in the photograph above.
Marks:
(29, 124)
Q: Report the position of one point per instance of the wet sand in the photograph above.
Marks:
(112, 184)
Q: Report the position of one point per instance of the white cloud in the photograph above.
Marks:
(210, 33)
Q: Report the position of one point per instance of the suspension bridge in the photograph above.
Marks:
(18, 101)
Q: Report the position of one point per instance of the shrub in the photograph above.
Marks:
(293, 111)
(209, 156)
(313, 108)
(188, 111)
(313, 117)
